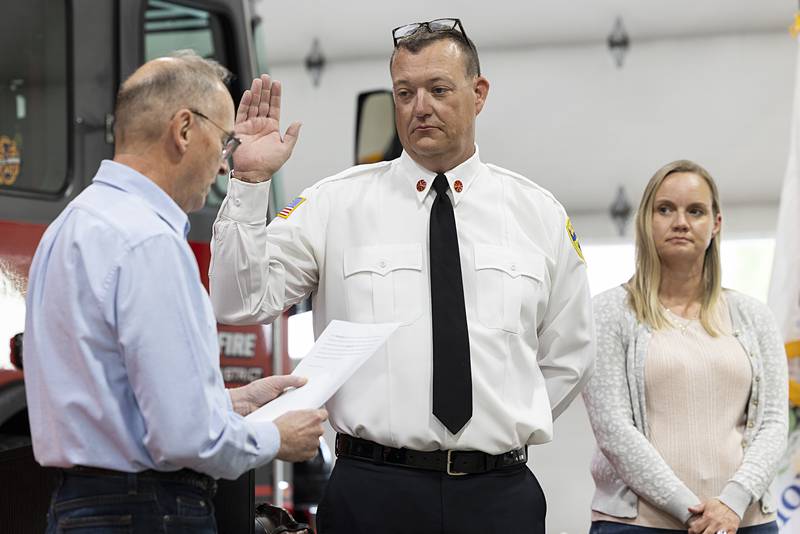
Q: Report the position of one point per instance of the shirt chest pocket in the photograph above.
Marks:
(510, 287)
(384, 283)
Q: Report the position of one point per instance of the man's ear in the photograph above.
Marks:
(180, 130)
(481, 88)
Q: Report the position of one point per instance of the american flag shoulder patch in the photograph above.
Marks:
(285, 212)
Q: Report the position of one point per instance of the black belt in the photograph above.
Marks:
(451, 462)
(183, 476)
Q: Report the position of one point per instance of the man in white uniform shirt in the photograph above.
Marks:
(479, 265)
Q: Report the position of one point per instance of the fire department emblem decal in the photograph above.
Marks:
(9, 161)
(573, 236)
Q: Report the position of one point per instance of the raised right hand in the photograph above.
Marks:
(300, 432)
(263, 150)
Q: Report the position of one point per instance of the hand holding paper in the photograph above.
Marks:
(300, 431)
(251, 397)
(341, 349)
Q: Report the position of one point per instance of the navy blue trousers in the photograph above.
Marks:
(609, 527)
(364, 498)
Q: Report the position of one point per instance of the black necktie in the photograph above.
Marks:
(452, 375)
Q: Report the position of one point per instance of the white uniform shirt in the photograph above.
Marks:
(357, 243)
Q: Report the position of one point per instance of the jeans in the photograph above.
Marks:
(129, 503)
(609, 527)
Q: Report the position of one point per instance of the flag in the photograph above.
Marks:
(784, 300)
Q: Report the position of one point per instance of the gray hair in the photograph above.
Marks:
(145, 100)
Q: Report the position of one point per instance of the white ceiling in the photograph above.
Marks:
(360, 28)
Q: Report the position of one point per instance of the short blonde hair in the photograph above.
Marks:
(644, 285)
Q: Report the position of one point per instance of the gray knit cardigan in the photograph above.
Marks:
(625, 465)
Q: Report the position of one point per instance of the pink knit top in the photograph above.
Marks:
(696, 389)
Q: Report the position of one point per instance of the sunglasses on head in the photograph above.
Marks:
(433, 26)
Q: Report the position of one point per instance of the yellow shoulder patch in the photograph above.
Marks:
(290, 207)
(574, 238)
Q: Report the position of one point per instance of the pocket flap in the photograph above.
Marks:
(513, 263)
(382, 259)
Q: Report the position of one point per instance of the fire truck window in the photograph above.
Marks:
(33, 97)
(170, 26)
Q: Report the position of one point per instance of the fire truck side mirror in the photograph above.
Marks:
(376, 135)
(16, 351)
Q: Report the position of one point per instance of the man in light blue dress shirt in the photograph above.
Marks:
(124, 389)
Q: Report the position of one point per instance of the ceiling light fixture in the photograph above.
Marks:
(315, 62)
(620, 211)
(618, 42)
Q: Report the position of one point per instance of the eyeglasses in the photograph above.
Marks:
(231, 141)
(433, 26)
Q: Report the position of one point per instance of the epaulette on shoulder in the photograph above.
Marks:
(526, 183)
(352, 172)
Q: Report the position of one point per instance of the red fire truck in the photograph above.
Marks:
(61, 63)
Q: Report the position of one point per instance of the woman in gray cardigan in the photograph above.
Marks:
(689, 397)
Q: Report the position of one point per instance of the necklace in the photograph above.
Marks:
(681, 323)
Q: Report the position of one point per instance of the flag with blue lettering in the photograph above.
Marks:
(784, 300)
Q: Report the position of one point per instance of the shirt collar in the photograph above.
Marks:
(460, 178)
(125, 178)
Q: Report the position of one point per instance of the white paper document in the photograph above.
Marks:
(341, 349)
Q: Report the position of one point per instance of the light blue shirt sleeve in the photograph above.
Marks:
(166, 330)
(121, 350)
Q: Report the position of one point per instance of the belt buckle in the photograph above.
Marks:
(450, 463)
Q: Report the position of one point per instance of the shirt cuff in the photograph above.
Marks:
(246, 202)
(678, 505)
(270, 437)
(735, 497)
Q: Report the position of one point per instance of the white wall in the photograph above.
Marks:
(570, 120)
(567, 118)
